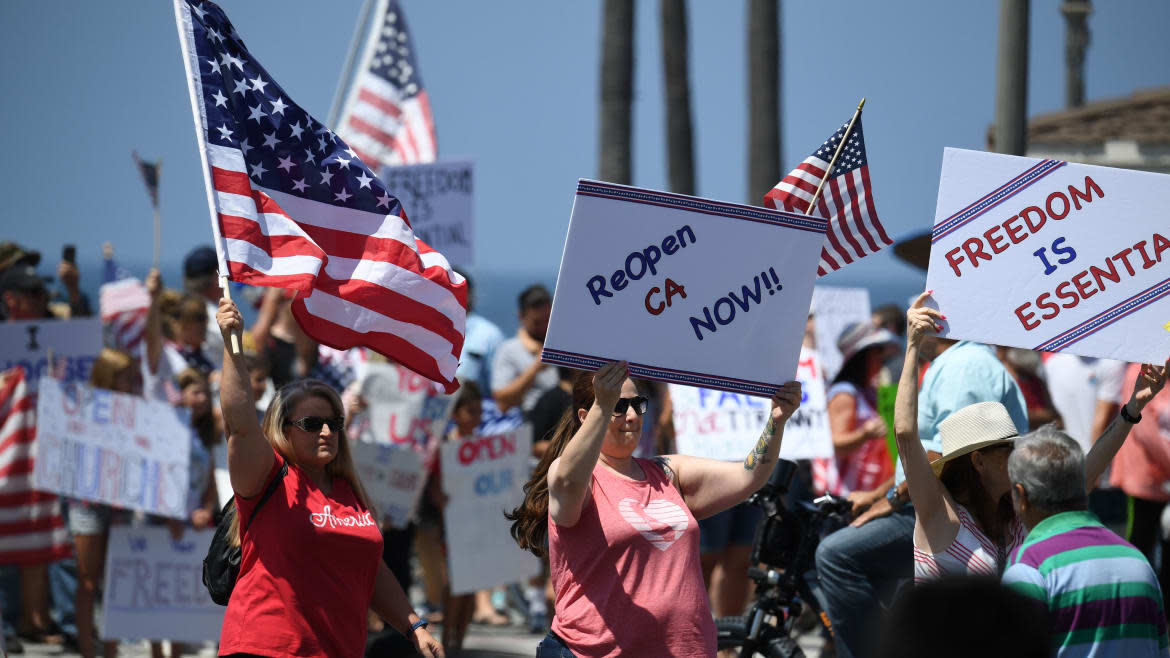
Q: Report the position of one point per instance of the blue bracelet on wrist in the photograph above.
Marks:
(422, 623)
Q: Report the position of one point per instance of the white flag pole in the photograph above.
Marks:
(347, 73)
(191, 65)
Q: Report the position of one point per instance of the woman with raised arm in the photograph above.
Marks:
(311, 558)
(621, 532)
(964, 522)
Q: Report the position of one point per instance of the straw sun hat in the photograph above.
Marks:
(972, 428)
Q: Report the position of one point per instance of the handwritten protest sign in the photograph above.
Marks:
(835, 308)
(403, 407)
(75, 345)
(394, 477)
(725, 425)
(688, 290)
(1053, 256)
(111, 448)
(154, 587)
(437, 197)
(482, 477)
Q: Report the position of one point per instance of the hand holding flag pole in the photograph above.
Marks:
(836, 154)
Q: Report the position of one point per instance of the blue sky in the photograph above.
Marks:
(514, 88)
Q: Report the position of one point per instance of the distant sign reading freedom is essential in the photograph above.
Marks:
(688, 290)
(1052, 256)
(437, 199)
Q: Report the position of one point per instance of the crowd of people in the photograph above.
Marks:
(641, 546)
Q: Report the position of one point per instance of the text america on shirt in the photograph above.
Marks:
(326, 517)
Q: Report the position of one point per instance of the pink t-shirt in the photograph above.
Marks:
(627, 575)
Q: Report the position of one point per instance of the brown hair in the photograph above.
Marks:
(205, 426)
(962, 481)
(530, 519)
(272, 427)
(109, 364)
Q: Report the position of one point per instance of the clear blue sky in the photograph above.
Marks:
(514, 88)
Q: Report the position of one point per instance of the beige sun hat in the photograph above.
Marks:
(972, 428)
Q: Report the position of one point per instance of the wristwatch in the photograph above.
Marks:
(893, 498)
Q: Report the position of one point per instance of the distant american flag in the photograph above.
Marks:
(124, 305)
(149, 171)
(846, 200)
(387, 114)
(298, 210)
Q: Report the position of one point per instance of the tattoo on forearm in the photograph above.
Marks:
(758, 455)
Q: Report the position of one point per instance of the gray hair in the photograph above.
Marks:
(1050, 466)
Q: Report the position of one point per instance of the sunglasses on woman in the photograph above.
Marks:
(623, 404)
(315, 423)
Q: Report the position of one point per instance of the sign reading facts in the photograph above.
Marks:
(726, 426)
(437, 198)
(688, 290)
(74, 345)
(154, 587)
(1052, 256)
(111, 448)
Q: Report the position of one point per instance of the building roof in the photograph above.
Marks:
(1143, 117)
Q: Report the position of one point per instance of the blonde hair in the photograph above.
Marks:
(108, 366)
(272, 427)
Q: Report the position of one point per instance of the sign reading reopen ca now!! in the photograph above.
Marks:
(687, 290)
(1052, 256)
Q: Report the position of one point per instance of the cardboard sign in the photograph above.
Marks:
(394, 477)
(75, 345)
(403, 407)
(437, 197)
(688, 290)
(1052, 256)
(724, 425)
(111, 448)
(835, 308)
(154, 587)
(483, 477)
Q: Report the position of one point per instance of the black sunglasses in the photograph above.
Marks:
(623, 404)
(315, 423)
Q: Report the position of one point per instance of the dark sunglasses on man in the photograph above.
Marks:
(623, 404)
(315, 423)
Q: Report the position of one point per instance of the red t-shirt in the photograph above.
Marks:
(307, 569)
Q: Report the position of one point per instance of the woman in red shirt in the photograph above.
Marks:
(311, 559)
(623, 541)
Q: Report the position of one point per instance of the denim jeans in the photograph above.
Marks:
(553, 647)
(856, 567)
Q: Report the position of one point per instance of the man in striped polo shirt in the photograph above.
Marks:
(1101, 595)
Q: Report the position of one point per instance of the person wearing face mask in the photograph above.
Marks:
(623, 541)
(311, 558)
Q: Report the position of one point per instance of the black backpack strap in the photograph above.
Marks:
(267, 494)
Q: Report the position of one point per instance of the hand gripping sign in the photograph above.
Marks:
(688, 290)
(1052, 256)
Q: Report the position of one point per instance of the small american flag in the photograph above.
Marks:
(846, 200)
(387, 114)
(297, 209)
(124, 305)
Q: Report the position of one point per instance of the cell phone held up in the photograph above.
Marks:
(69, 254)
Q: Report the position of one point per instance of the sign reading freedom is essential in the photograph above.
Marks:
(111, 448)
(1052, 256)
(154, 587)
(437, 198)
(483, 477)
(726, 426)
(688, 290)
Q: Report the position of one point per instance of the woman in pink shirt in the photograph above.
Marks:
(623, 541)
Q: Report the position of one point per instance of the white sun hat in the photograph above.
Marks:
(972, 428)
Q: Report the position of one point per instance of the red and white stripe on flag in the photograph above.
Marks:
(124, 305)
(32, 528)
(386, 131)
(363, 278)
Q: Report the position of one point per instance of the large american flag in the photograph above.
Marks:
(297, 209)
(387, 114)
(846, 200)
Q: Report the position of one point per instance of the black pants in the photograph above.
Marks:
(1146, 532)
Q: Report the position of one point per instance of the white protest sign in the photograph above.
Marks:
(688, 290)
(1052, 256)
(726, 426)
(75, 345)
(437, 197)
(111, 448)
(403, 407)
(154, 587)
(394, 477)
(483, 477)
(836, 308)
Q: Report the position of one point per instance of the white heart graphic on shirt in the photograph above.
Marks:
(661, 522)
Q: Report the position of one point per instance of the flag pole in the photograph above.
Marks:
(190, 64)
(836, 154)
(157, 218)
(347, 72)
